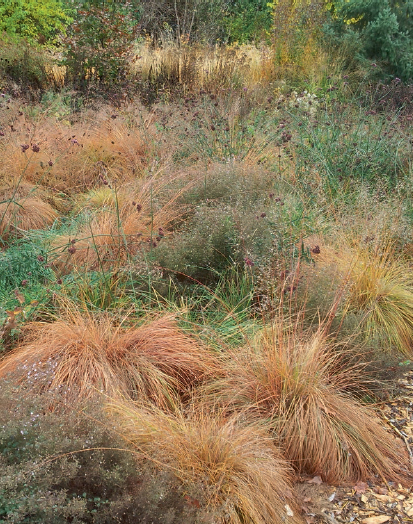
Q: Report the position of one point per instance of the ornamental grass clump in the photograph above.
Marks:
(298, 381)
(85, 353)
(19, 216)
(376, 286)
(230, 470)
(381, 291)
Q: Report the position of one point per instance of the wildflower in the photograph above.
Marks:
(316, 250)
(60, 281)
(35, 148)
(248, 262)
(263, 215)
(139, 207)
(50, 163)
(24, 283)
(71, 250)
(24, 147)
(40, 258)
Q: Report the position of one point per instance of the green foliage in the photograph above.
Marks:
(40, 22)
(384, 28)
(248, 20)
(23, 262)
(99, 42)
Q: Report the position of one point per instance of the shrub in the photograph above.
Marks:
(60, 466)
(383, 27)
(99, 43)
(229, 469)
(24, 68)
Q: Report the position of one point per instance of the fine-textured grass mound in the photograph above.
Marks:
(376, 288)
(231, 471)
(83, 352)
(296, 381)
(381, 290)
(17, 217)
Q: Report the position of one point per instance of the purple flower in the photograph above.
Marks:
(248, 262)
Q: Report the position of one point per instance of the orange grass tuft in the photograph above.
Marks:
(233, 471)
(19, 216)
(297, 382)
(82, 352)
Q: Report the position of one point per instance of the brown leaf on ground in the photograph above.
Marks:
(315, 480)
(360, 487)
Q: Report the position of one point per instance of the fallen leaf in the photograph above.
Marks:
(380, 490)
(360, 487)
(376, 520)
(19, 296)
(289, 511)
(316, 480)
(192, 502)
